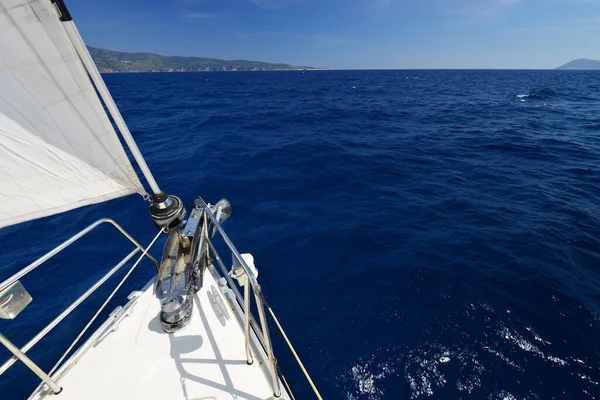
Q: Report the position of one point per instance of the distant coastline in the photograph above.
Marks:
(102, 71)
(109, 61)
(581, 63)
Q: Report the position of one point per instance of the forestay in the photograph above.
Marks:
(58, 149)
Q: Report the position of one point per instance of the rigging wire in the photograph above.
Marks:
(289, 389)
(98, 82)
(296, 356)
(108, 299)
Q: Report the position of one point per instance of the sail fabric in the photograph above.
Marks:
(58, 149)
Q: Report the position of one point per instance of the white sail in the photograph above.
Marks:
(58, 149)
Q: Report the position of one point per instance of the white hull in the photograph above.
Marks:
(130, 357)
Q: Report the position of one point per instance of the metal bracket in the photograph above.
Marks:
(192, 223)
(13, 300)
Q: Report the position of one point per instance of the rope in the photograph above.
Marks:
(289, 389)
(109, 298)
(295, 354)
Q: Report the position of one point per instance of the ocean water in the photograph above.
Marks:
(420, 234)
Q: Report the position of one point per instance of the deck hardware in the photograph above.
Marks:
(13, 299)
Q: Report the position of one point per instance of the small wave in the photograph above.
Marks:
(588, 378)
(525, 345)
(364, 376)
(536, 336)
(425, 368)
(557, 360)
(431, 368)
(504, 395)
(540, 94)
(501, 356)
(520, 341)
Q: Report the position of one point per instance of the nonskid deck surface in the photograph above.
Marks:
(205, 360)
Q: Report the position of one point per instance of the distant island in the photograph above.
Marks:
(118, 61)
(582, 63)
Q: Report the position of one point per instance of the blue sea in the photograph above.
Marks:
(420, 234)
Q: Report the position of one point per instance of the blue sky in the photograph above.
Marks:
(351, 33)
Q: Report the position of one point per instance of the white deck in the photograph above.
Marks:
(205, 360)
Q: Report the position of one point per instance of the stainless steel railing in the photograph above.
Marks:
(19, 353)
(260, 328)
(261, 331)
(66, 244)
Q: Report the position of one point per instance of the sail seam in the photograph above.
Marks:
(39, 61)
(65, 207)
(52, 79)
(18, 5)
(69, 101)
(59, 149)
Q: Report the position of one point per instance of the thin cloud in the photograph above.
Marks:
(581, 1)
(200, 15)
(585, 24)
(477, 10)
(271, 4)
(313, 39)
(587, 28)
(530, 30)
(589, 20)
(324, 39)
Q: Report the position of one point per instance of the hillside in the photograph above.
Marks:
(118, 61)
(582, 63)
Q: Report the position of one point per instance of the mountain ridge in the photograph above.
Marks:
(581, 63)
(120, 61)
